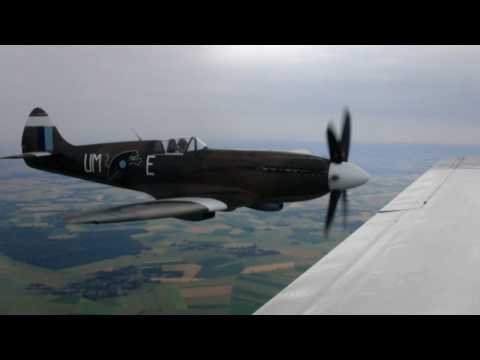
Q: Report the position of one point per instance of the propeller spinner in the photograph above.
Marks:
(342, 175)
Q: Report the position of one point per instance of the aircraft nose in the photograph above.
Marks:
(346, 175)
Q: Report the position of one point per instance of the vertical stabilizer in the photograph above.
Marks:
(41, 135)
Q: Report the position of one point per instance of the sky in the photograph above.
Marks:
(260, 93)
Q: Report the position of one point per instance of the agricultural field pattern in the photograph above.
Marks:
(231, 264)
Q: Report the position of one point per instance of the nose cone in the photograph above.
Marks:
(346, 175)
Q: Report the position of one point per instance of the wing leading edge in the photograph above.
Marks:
(420, 254)
(175, 207)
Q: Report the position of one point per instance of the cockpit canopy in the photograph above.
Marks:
(178, 146)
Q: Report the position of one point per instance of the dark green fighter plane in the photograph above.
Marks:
(189, 180)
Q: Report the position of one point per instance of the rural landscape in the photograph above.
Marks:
(231, 264)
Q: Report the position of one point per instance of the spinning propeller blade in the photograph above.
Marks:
(345, 142)
(339, 151)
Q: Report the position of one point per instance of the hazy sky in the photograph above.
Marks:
(419, 94)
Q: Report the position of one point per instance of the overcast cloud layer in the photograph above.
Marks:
(397, 94)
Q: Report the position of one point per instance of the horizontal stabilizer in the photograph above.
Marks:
(176, 207)
(28, 155)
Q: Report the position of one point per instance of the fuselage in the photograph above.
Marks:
(239, 177)
(190, 180)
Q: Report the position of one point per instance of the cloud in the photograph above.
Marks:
(422, 94)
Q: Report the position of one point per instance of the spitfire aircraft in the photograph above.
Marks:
(189, 180)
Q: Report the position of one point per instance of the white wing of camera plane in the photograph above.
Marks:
(420, 254)
(191, 208)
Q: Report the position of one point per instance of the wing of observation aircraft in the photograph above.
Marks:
(420, 254)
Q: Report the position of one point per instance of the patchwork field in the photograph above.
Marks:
(231, 264)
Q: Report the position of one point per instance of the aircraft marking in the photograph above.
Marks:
(148, 164)
(89, 162)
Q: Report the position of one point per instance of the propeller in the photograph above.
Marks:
(339, 149)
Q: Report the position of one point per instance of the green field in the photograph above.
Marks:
(251, 291)
(37, 248)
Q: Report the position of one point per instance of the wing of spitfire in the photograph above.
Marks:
(181, 208)
(420, 254)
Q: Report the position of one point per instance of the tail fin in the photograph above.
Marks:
(40, 134)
